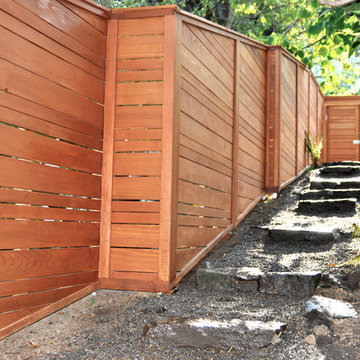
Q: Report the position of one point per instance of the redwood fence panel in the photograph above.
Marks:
(199, 123)
(52, 91)
(342, 116)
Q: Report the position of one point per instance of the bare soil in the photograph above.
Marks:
(113, 325)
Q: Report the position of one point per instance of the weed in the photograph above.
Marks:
(314, 148)
(356, 259)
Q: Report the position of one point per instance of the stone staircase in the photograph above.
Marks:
(334, 190)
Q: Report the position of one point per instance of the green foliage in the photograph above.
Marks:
(356, 259)
(314, 148)
(321, 37)
(356, 232)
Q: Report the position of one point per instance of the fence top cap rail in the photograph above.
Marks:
(355, 98)
(92, 6)
(149, 11)
(144, 11)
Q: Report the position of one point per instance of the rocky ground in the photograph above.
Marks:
(118, 325)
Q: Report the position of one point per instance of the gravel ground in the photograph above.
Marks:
(113, 325)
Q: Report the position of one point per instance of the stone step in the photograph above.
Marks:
(319, 184)
(292, 284)
(327, 207)
(251, 280)
(341, 163)
(238, 334)
(298, 234)
(229, 278)
(340, 171)
(330, 194)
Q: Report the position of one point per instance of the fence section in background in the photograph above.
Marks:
(52, 88)
(342, 116)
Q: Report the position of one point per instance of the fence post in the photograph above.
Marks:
(108, 150)
(273, 95)
(235, 167)
(170, 149)
(297, 121)
(309, 109)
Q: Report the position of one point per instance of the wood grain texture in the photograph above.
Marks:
(32, 146)
(140, 47)
(127, 235)
(108, 151)
(146, 188)
(135, 93)
(41, 25)
(342, 129)
(128, 260)
(45, 283)
(33, 176)
(25, 234)
(40, 198)
(46, 262)
(63, 19)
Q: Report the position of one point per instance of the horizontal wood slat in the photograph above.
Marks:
(137, 164)
(60, 17)
(36, 298)
(126, 235)
(146, 26)
(25, 234)
(45, 283)
(31, 146)
(140, 47)
(33, 263)
(33, 176)
(49, 121)
(38, 198)
(128, 260)
(147, 188)
(38, 212)
(134, 93)
(30, 86)
(128, 117)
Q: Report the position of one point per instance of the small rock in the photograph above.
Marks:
(330, 280)
(154, 310)
(321, 330)
(310, 339)
(319, 317)
(237, 334)
(335, 308)
(353, 278)
(290, 284)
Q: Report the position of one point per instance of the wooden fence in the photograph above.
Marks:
(51, 98)
(199, 122)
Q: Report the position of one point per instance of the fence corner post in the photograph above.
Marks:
(170, 145)
(108, 151)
